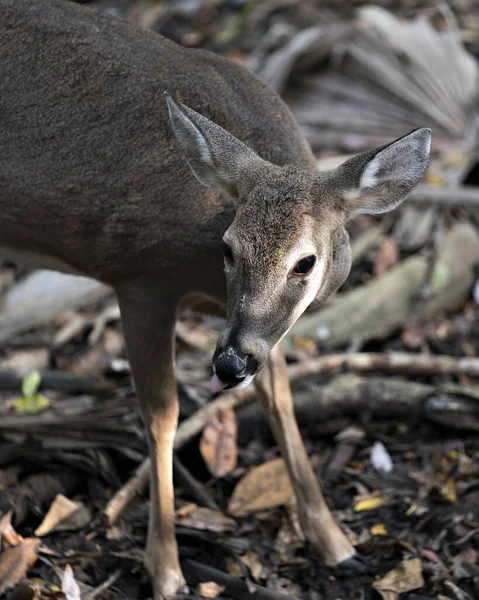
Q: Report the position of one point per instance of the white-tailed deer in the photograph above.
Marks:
(93, 180)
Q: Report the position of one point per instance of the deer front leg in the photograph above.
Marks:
(316, 520)
(148, 325)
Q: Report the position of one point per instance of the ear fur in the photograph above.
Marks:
(379, 180)
(216, 157)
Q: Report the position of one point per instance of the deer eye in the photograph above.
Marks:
(305, 265)
(227, 253)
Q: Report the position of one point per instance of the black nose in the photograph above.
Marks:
(230, 367)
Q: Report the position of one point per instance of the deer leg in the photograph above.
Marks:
(148, 325)
(315, 517)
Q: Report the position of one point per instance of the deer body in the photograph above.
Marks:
(88, 156)
(93, 180)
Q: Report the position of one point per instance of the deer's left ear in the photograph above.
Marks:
(379, 180)
(216, 157)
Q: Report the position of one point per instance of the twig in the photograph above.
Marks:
(394, 362)
(235, 588)
(54, 380)
(104, 586)
(134, 487)
(463, 196)
(194, 487)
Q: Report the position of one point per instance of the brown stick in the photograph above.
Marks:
(460, 196)
(394, 362)
(134, 487)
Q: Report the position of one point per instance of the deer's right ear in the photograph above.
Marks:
(215, 156)
(378, 180)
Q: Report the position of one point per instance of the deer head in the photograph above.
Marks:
(287, 247)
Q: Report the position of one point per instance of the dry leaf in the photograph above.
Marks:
(233, 567)
(254, 564)
(386, 257)
(15, 561)
(379, 529)
(8, 535)
(266, 486)
(448, 491)
(186, 510)
(64, 515)
(69, 585)
(362, 503)
(218, 443)
(206, 519)
(210, 589)
(405, 577)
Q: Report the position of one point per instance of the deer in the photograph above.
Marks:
(180, 179)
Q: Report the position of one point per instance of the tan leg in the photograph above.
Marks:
(148, 324)
(316, 520)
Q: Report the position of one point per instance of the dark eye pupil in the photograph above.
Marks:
(305, 265)
(227, 252)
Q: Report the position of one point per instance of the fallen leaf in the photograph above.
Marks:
(264, 487)
(405, 577)
(379, 529)
(466, 556)
(433, 557)
(206, 519)
(210, 589)
(233, 567)
(64, 515)
(8, 535)
(186, 510)
(362, 503)
(448, 490)
(254, 564)
(380, 458)
(69, 585)
(386, 257)
(218, 443)
(15, 561)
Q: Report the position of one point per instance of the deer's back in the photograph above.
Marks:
(89, 170)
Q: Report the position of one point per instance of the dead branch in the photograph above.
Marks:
(350, 397)
(394, 362)
(134, 487)
(55, 380)
(446, 196)
(193, 486)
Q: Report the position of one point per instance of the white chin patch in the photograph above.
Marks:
(245, 383)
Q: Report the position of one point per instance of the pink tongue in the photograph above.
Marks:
(216, 384)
